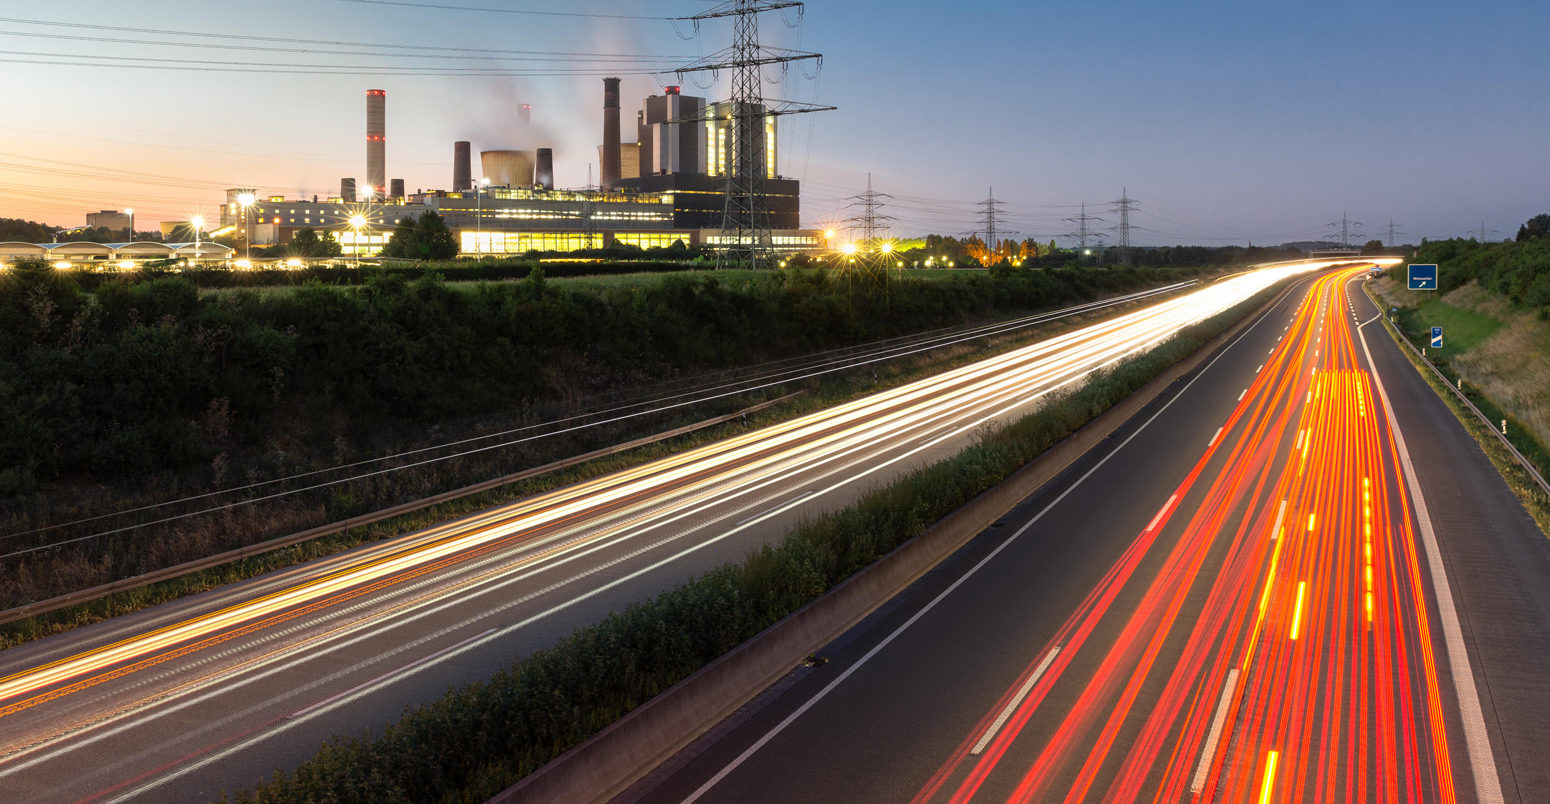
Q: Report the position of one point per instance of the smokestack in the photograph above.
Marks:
(610, 166)
(376, 142)
(462, 166)
(545, 171)
(525, 114)
(347, 190)
(397, 190)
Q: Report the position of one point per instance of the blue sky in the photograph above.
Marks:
(1230, 122)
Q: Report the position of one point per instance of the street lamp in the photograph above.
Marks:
(484, 181)
(245, 200)
(357, 222)
(131, 214)
(198, 222)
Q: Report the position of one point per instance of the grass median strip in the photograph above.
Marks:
(480, 738)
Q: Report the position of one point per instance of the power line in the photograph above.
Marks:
(396, 47)
(441, 7)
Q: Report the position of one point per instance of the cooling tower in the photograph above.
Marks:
(508, 168)
(610, 158)
(376, 142)
(462, 166)
(545, 170)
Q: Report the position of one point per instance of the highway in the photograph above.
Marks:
(1241, 597)
(212, 693)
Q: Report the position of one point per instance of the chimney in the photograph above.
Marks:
(462, 166)
(347, 190)
(376, 142)
(525, 113)
(610, 167)
(545, 177)
(397, 190)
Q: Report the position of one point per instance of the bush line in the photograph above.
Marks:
(482, 737)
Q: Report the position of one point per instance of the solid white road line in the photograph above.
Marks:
(1017, 700)
(1482, 762)
(1215, 735)
(886, 641)
(389, 674)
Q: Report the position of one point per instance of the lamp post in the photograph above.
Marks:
(131, 214)
(484, 181)
(357, 222)
(198, 222)
(245, 201)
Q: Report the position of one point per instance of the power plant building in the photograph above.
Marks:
(668, 187)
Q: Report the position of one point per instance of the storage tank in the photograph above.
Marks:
(508, 168)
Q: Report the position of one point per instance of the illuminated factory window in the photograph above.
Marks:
(476, 242)
(650, 239)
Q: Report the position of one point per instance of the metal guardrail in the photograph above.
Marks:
(186, 568)
(1527, 465)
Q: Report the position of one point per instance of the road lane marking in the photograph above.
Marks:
(1482, 762)
(1215, 734)
(1281, 512)
(1270, 779)
(1163, 510)
(1242, 393)
(801, 496)
(1297, 612)
(1210, 445)
(1016, 701)
(351, 692)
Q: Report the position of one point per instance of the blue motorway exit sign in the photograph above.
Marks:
(1436, 337)
(1423, 277)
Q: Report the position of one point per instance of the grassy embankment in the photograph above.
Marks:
(482, 737)
(1496, 339)
(56, 571)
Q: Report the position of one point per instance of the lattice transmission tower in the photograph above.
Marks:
(1123, 207)
(745, 224)
(990, 210)
(868, 221)
(1084, 232)
(1347, 229)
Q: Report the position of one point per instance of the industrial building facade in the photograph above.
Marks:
(667, 187)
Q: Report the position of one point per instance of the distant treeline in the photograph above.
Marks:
(133, 378)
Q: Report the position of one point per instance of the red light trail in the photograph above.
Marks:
(1278, 649)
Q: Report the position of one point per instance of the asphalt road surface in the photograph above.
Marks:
(1241, 597)
(213, 693)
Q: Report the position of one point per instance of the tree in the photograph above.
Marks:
(1373, 247)
(435, 239)
(404, 244)
(308, 243)
(1535, 228)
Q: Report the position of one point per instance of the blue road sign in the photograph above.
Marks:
(1423, 277)
(1436, 337)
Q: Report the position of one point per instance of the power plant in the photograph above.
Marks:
(669, 186)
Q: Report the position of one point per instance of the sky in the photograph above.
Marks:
(1229, 122)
